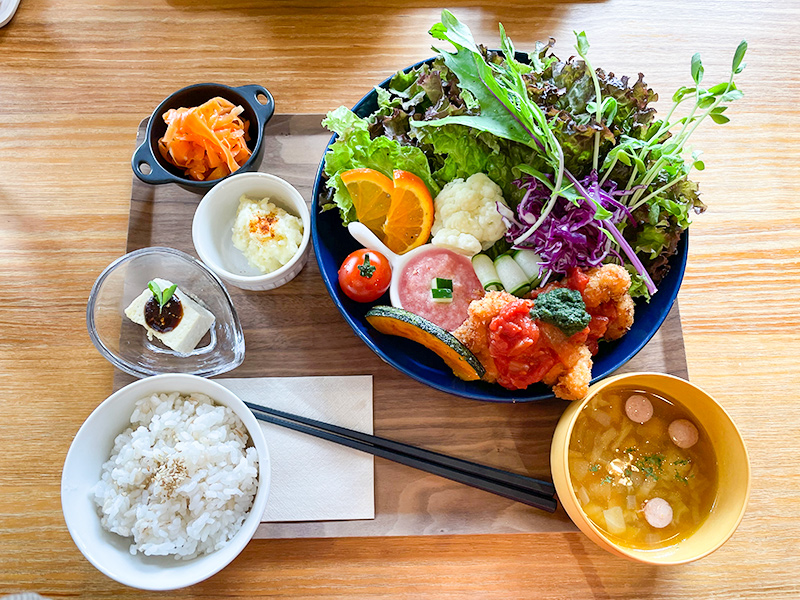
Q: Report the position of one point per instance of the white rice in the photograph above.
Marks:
(181, 479)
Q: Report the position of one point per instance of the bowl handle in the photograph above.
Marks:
(144, 156)
(364, 236)
(252, 92)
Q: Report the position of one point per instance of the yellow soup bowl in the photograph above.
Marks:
(732, 463)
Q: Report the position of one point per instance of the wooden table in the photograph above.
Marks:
(76, 77)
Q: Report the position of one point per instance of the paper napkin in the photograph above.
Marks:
(313, 479)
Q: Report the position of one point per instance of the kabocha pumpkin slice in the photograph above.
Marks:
(402, 323)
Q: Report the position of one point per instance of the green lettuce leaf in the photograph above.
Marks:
(354, 149)
(462, 153)
(505, 109)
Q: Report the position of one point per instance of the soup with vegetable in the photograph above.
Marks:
(642, 468)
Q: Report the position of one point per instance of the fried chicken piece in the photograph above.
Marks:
(606, 283)
(622, 323)
(474, 331)
(610, 284)
(606, 292)
(573, 383)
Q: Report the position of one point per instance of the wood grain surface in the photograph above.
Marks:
(282, 331)
(76, 77)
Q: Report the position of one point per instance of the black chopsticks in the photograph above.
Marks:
(521, 488)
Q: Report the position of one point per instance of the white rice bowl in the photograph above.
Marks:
(90, 450)
(181, 479)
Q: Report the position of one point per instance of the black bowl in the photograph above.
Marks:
(159, 171)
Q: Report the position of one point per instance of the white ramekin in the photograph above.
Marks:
(212, 229)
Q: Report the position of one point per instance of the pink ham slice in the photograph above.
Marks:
(683, 433)
(639, 409)
(658, 512)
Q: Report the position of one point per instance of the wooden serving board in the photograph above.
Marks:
(296, 330)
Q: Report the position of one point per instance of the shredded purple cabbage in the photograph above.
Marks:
(570, 236)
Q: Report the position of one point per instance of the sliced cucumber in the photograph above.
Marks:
(487, 274)
(528, 261)
(442, 290)
(439, 282)
(511, 275)
(442, 295)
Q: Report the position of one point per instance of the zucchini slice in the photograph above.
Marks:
(512, 276)
(396, 321)
(487, 274)
(528, 261)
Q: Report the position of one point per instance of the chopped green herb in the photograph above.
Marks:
(682, 461)
(628, 472)
(651, 465)
(606, 479)
(629, 450)
(161, 296)
(594, 468)
(655, 459)
(683, 479)
(648, 472)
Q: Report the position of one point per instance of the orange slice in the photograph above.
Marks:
(399, 212)
(410, 217)
(371, 192)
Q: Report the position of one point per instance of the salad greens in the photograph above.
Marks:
(588, 172)
(357, 149)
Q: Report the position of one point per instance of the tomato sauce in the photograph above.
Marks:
(525, 350)
(521, 355)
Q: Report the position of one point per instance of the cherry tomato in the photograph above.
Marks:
(365, 275)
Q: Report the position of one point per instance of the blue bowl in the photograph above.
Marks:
(332, 243)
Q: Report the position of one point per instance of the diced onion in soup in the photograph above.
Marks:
(594, 512)
(601, 417)
(579, 469)
(615, 520)
(647, 487)
(679, 509)
(626, 429)
(600, 491)
(601, 443)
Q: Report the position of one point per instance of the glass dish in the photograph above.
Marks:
(125, 344)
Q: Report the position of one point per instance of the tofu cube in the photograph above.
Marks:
(194, 324)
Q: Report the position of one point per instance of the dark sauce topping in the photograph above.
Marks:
(163, 318)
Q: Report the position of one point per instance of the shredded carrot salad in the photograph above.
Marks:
(207, 141)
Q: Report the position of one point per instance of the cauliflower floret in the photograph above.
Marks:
(464, 243)
(466, 219)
